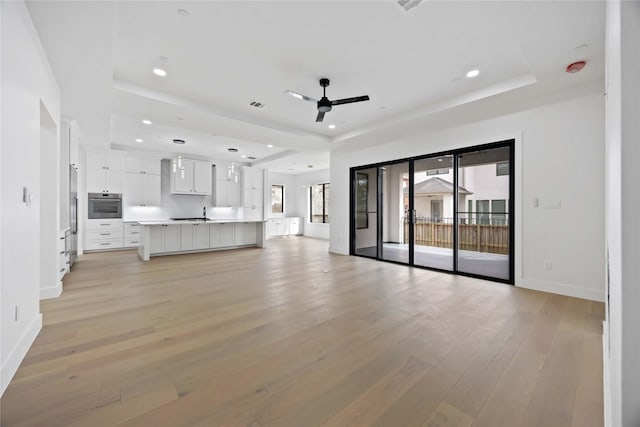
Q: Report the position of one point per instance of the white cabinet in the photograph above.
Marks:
(284, 226)
(253, 193)
(141, 189)
(245, 233)
(164, 238)
(221, 235)
(253, 178)
(104, 172)
(194, 236)
(191, 177)
(142, 165)
(228, 193)
(295, 226)
(132, 234)
(104, 234)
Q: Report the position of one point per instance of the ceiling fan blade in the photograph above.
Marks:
(349, 100)
(300, 96)
(320, 116)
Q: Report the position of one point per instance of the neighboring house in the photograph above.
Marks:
(483, 194)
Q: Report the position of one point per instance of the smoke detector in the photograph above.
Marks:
(575, 67)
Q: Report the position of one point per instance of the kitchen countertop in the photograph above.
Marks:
(174, 222)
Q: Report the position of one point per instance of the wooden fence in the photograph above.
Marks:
(472, 237)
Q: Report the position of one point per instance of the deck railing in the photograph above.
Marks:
(483, 235)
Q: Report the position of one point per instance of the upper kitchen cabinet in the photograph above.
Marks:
(142, 165)
(104, 172)
(141, 189)
(253, 193)
(253, 178)
(190, 176)
(228, 190)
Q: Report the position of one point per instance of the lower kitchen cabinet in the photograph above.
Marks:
(245, 233)
(194, 236)
(221, 235)
(290, 226)
(165, 238)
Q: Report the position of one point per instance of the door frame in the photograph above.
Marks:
(510, 143)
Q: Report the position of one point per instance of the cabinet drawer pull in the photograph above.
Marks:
(105, 244)
(134, 232)
(105, 234)
(105, 224)
(62, 270)
(61, 252)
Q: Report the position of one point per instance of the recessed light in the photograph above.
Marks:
(178, 141)
(332, 126)
(146, 122)
(232, 150)
(183, 12)
(159, 72)
(243, 156)
(440, 160)
(473, 73)
(269, 145)
(139, 140)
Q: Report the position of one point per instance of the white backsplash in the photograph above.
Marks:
(179, 205)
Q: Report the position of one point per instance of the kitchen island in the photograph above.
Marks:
(170, 237)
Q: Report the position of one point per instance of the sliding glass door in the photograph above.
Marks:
(483, 221)
(451, 211)
(433, 212)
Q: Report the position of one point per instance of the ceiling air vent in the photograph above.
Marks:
(257, 104)
(408, 4)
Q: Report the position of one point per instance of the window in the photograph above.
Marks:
(319, 195)
(482, 212)
(498, 212)
(437, 172)
(362, 200)
(502, 168)
(277, 199)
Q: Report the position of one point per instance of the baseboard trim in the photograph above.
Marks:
(562, 289)
(52, 292)
(17, 354)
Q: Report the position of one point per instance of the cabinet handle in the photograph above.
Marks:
(105, 234)
(61, 252)
(62, 270)
(105, 224)
(68, 262)
(105, 244)
(61, 238)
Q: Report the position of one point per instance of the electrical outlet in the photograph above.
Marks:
(548, 265)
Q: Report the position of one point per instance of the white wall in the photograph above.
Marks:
(559, 156)
(290, 194)
(621, 341)
(320, 231)
(27, 80)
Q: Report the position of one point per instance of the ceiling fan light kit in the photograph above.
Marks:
(325, 105)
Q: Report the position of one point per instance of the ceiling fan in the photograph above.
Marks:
(325, 104)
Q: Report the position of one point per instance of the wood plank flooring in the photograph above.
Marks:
(294, 336)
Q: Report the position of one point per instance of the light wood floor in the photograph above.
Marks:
(293, 336)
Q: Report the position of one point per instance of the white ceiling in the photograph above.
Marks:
(224, 55)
